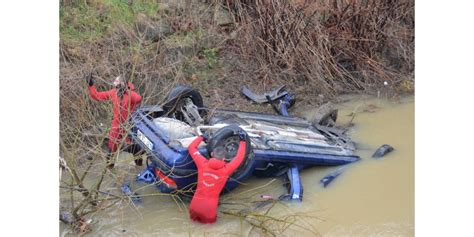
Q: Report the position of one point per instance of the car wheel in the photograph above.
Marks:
(184, 103)
(225, 137)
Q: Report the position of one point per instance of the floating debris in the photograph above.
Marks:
(66, 218)
(384, 149)
(134, 196)
(331, 176)
(266, 196)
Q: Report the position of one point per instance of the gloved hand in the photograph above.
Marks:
(206, 136)
(242, 135)
(90, 79)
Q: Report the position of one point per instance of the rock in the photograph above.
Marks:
(178, 54)
(223, 18)
(210, 40)
(233, 35)
(160, 31)
(173, 5)
(151, 30)
(370, 108)
(325, 115)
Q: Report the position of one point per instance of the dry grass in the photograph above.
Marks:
(328, 47)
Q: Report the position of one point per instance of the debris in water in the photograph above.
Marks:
(261, 204)
(66, 218)
(134, 196)
(266, 196)
(371, 108)
(384, 149)
(81, 225)
(331, 176)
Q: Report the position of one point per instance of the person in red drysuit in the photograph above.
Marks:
(124, 99)
(212, 177)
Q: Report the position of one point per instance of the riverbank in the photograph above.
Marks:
(217, 47)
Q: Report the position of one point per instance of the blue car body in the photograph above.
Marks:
(173, 161)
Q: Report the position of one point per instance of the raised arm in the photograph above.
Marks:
(96, 95)
(234, 164)
(194, 152)
(135, 98)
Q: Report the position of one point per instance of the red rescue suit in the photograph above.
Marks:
(212, 177)
(122, 109)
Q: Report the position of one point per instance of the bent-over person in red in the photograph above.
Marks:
(212, 177)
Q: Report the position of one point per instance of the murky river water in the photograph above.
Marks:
(371, 198)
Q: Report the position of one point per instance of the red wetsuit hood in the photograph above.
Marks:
(216, 164)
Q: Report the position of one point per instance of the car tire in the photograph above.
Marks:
(177, 96)
(225, 137)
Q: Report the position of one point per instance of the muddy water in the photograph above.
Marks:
(371, 198)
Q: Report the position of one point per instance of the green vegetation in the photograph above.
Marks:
(211, 55)
(188, 38)
(82, 21)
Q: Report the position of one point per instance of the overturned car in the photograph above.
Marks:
(280, 145)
